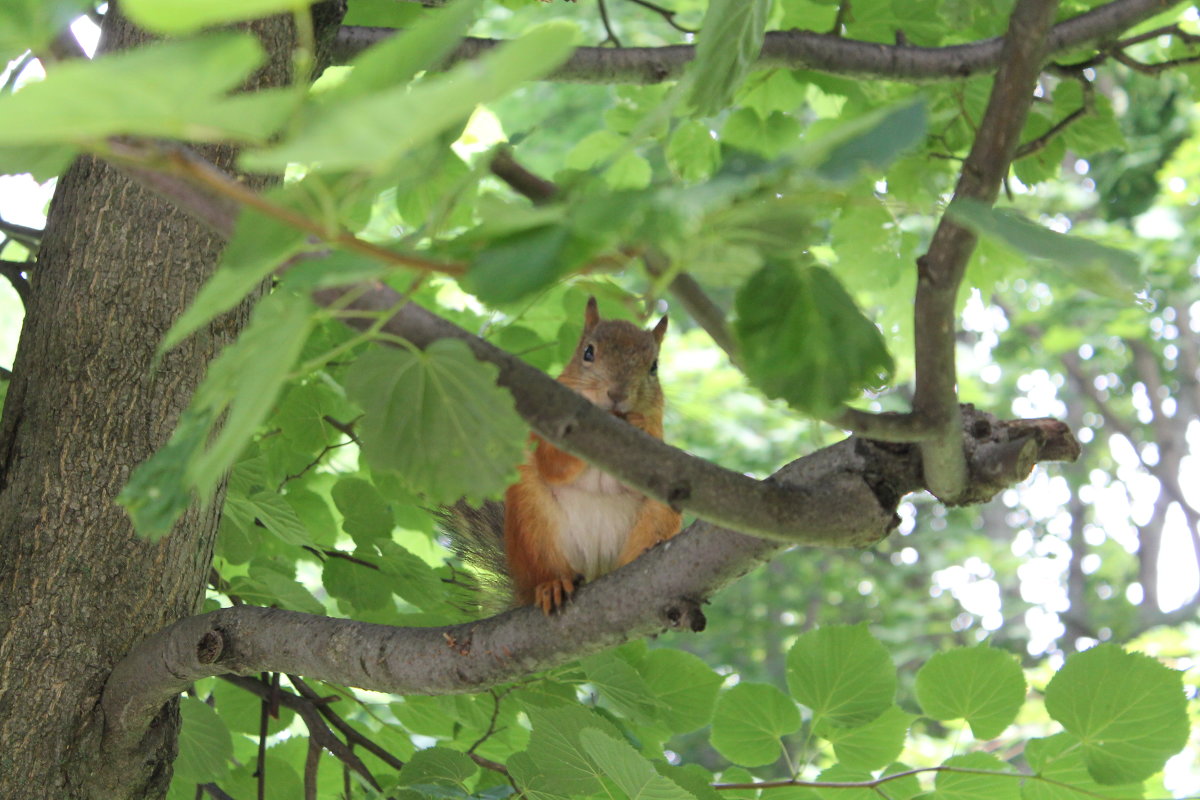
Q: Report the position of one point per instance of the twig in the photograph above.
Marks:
(667, 14)
(317, 729)
(1034, 145)
(30, 237)
(12, 270)
(186, 164)
(612, 35)
(352, 734)
(839, 22)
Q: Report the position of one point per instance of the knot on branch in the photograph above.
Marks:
(1001, 453)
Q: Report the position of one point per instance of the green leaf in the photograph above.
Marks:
(870, 746)
(693, 154)
(632, 773)
(555, 751)
(685, 687)
(804, 340)
(973, 785)
(768, 137)
(438, 419)
(890, 134)
(274, 513)
(266, 587)
(33, 24)
(245, 379)
(729, 43)
(176, 89)
(205, 746)
(749, 720)
(367, 589)
(365, 514)
(1059, 761)
(983, 685)
(157, 493)
(520, 264)
(187, 16)
(1104, 270)
(842, 673)
(397, 59)
(409, 576)
(438, 766)
(372, 131)
(259, 245)
(622, 685)
(241, 710)
(1128, 710)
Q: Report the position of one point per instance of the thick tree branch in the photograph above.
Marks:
(940, 271)
(663, 589)
(807, 50)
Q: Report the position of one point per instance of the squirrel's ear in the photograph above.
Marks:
(660, 329)
(591, 314)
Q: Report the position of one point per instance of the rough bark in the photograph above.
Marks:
(86, 405)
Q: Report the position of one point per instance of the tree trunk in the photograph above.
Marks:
(86, 405)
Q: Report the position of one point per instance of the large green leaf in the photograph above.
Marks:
(869, 746)
(239, 392)
(32, 24)
(749, 721)
(877, 140)
(188, 16)
(205, 746)
(730, 41)
(1098, 268)
(804, 340)
(397, 59)
(619, 683)
(373, 130)
(684, 685)
(1128, 710)
(842, 673)
(438, 766)
(1058, 760)
(438, 419)
(629, 770)
(259, 245)
(555, 751)
(176, 89)
(983, 685)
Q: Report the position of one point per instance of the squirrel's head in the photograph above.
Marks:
(615, 364)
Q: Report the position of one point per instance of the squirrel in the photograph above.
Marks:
(565, 521)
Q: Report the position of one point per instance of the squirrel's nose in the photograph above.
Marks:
(617, 396)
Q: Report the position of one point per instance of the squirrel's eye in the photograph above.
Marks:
(654, 367)
(589, 353)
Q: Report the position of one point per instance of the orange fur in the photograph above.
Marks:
(560, 504)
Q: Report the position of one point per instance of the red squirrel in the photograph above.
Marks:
(566, 521)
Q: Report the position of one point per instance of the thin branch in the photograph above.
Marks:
(667, 14)
(12, 270)
(806, 50)
(940, 270)
(352, 734)
(30, 237)
(608, 29)
(184, 163)
(1040, 142)
(317, 729)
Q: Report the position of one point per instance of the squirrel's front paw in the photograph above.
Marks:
(552, 595)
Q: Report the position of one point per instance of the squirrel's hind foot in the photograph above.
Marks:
(551, 596)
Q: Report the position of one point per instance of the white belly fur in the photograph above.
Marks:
(596, 513)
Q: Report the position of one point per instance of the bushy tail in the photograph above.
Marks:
(477, 537)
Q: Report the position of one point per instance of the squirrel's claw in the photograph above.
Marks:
(551, 596)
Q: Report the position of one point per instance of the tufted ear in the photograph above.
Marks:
(591, 315)
(660, 329)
